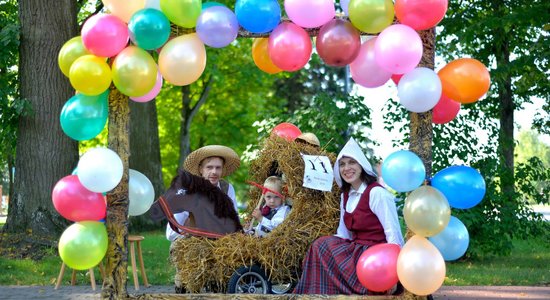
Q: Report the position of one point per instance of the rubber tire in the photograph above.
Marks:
(289, 288)
(237, 286)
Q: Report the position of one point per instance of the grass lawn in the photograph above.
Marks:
(527, 266)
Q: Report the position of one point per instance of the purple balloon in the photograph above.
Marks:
(217, 26)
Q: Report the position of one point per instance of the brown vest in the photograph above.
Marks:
(364, 225)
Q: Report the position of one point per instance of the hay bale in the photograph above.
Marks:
(202, 262)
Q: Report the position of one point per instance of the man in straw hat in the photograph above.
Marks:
(211, 163)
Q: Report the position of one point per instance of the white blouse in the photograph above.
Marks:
(278, 218)
(382, 204)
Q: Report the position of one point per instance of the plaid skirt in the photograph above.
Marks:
(329, 268)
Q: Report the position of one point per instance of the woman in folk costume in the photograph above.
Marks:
(368, 216)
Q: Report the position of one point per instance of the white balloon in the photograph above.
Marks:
(344, 4)
(141, 193)
(100, 170)
(152, 4)
(419, 90)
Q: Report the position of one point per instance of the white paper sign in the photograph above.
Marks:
(317, 172)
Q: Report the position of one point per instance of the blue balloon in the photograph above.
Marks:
(453, 241)
(258, 16)
(463, 186)
(84, 117)
(403, 171)
(217, 26)
(149, 28)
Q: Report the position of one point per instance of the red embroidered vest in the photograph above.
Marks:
(363, 224)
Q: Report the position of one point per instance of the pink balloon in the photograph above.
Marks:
(104, 35)
(288, 131)
(76, 203)
(338, 43)
(445, 110)
(310, 13)
(153, 92)
(398, 49)
(289, 47)
(365, 71)
(420, 14)
(377, 267)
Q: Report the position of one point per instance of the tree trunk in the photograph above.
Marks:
(116, 259)
(188, 112)
(145, 149)
(44, 153)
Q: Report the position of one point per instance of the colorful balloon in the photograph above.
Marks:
(403, 171)
(344, 5)
(420, 15)
(398, 49)
(463, 186)
(141, 193)
(134, 71)
(419, 90)
(83, 245)
(183, 59)
(285, 130)
(309, 13)
(217, 26)
(90, 75)
(426, 211)
(84, 117)
(371, 16)
(104, 35)
(124, 9)
(183, 13)
(70, 51)
(338, 43)
(153, 92)
(209, 4)
(420, 266)
(453, 241)
(149, 29)
(465, 80)
(76, 203)
(289, 47)
(100, 170)
(377, 267)
(445, 110)
(258, 16)
(365, 71)
(260, 55)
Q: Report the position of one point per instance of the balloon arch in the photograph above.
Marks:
(112, 50)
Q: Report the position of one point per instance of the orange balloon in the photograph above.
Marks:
(261, 56)
(465, 80)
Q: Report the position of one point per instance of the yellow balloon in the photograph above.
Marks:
(182, 12)
(183, 59)
(371, 16)
(124, 9)
(420, 266)
(90, 75)
(134, 71)
(426, 211)
(70, 51)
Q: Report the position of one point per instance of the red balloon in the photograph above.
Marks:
(75, 202)
(338, 43)
(377, 267)
(289, 47)
(445, 110)
(396, 78)
(288, 131)
(420, 14)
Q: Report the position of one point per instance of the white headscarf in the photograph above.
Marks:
(352, 150)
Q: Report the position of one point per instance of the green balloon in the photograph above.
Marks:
(183, 13)
(371, 16)
(83, 245)
(83, 117)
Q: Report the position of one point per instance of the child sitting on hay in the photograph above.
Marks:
(273, 213)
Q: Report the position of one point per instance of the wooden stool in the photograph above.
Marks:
(136, 239)
(73, 275)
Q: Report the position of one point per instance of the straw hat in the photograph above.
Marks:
(230, 157)
(309, 138)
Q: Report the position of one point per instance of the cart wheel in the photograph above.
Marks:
(282, 288)
(249, 280)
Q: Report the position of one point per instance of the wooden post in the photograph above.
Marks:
(116, 267)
